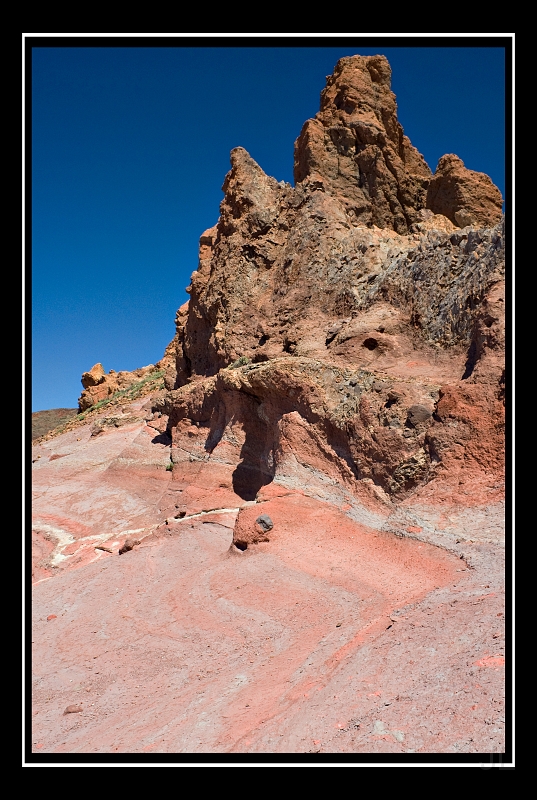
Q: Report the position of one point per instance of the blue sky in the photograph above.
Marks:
(130, 147)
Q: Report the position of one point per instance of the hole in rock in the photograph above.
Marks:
(289, 346)
(241, 545)
(263, 340)
(371, 344)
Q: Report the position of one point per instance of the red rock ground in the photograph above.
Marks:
(332, 637)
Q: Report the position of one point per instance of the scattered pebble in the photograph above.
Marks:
(72, 709)
(51, 616)
(265, 523)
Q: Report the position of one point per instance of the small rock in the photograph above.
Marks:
(338, 624)
(128, 544)
(417, 414)
(72, 709)
(51, 616)
(265, 523)
(102, 547)
(425, 213)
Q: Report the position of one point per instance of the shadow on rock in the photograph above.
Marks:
(248, 479)
(162, 438)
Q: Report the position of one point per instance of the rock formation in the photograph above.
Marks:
(465, 197)
(100, 386)
(332, 404)
(355, 148)
(316, 302)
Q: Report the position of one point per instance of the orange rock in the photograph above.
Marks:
(355, 147)
(95, 376)
(463, 196)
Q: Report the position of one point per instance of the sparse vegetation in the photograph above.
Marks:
(240, 362)
(132, 392)
(151, 383)
(45, 421)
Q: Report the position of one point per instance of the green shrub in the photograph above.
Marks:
(131, 392)
(240, 362)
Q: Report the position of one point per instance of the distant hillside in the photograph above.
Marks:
(45, 421)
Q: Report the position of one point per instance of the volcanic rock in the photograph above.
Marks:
(355, 148)
(285, 269)
(316, 475)
(264, 522)
(100, 386)
(463, 196)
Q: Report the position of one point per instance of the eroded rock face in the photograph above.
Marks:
(286, 270)
(295, 280)
(300, 422)
(347, 308)
(443, 281)
(355, 148)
